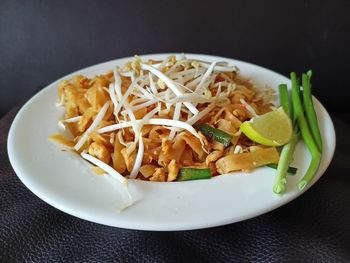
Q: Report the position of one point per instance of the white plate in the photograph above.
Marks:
(65, 182)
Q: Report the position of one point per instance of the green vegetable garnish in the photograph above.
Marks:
(215, 134)
(186, 174)
(305, 132)
(284, 99)
(286, 155)
(291, 170)
(309, 109)
(308, 128)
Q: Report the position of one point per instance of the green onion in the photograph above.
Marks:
(286, 156)
(305, 133)
(215, 134)
(186, 174)
(284, 99)
(291, 170)
(309, 109)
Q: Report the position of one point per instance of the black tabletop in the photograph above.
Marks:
(41, 41)
(313, 228)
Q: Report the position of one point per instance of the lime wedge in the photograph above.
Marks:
(271, 129)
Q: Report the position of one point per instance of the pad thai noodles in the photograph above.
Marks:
(165, 120)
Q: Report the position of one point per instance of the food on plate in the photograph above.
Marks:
(273, 128)
(175, 119)
(307, 126)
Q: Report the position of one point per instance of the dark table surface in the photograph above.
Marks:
(40, 41)
(313, 228)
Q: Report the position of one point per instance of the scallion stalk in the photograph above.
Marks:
(309, 109)
(284, 99)
(285, 160)
(305, 133)
(286, 156)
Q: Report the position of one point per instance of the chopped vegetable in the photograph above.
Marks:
(215, 134)
(186, 174)
(291, 170)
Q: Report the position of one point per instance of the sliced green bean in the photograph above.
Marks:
(186, 174)
(215, 134)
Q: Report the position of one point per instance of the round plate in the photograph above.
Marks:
(65, 181)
